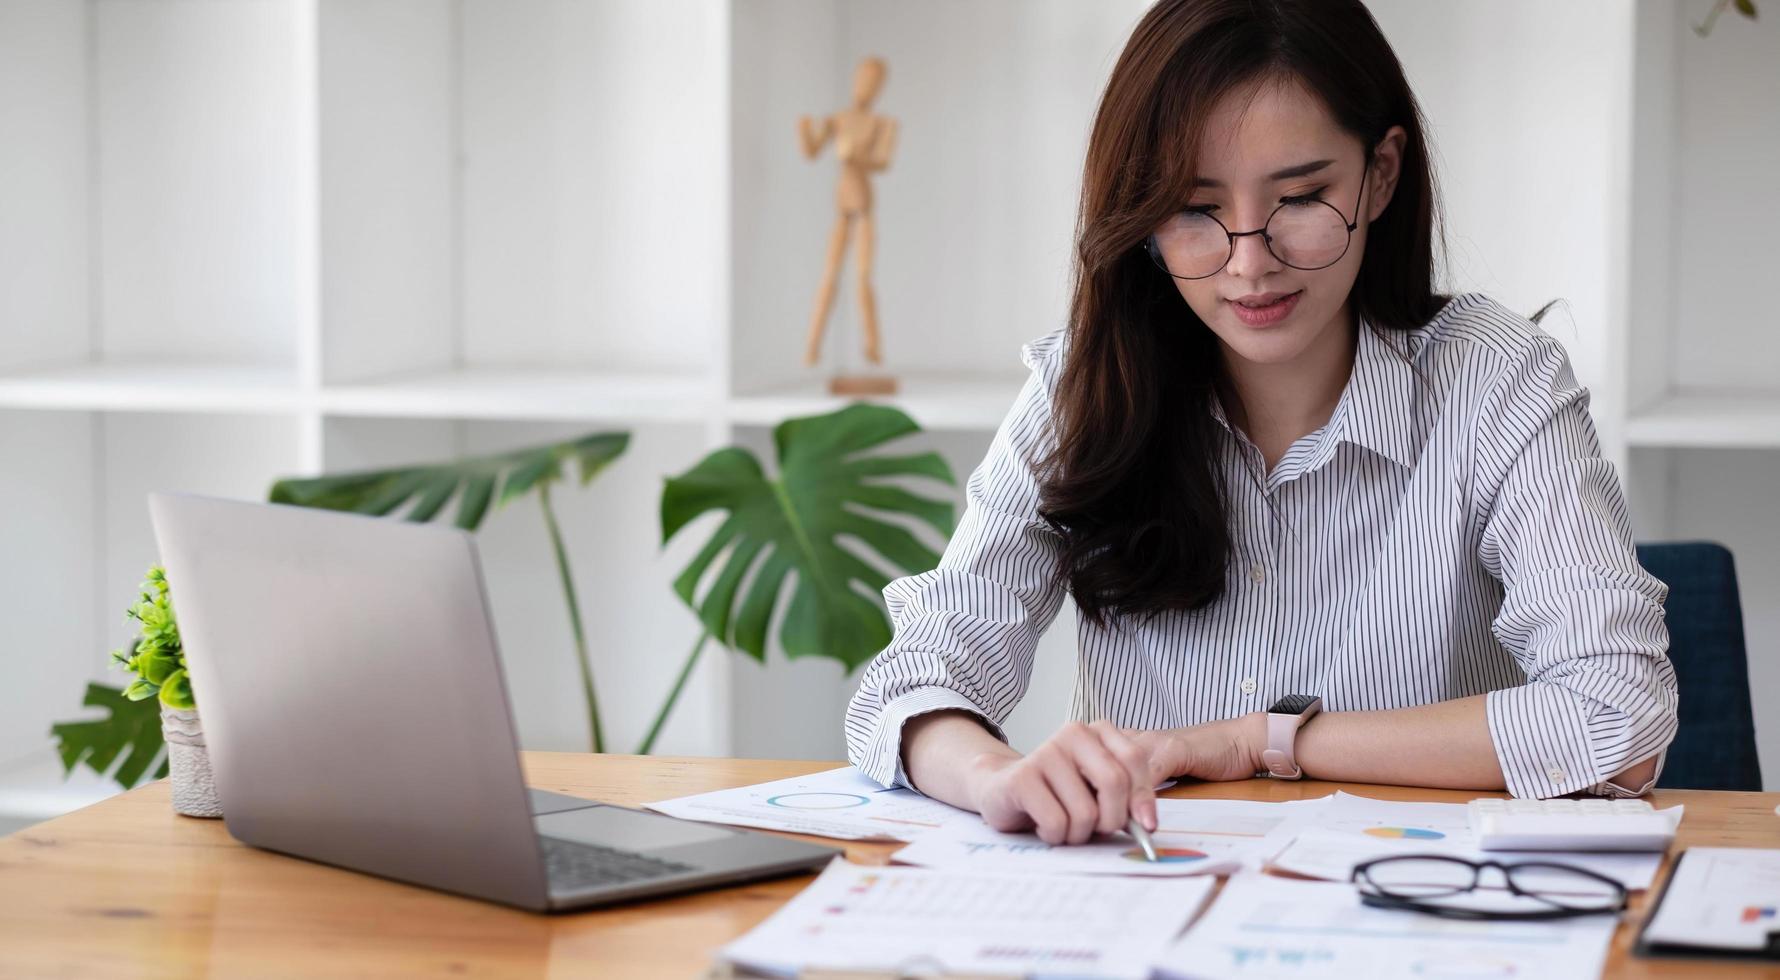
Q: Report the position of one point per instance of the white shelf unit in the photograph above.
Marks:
(277, 237)
(1701, 365)
(285, 237)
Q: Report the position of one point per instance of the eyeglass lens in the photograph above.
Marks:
(1305, 235)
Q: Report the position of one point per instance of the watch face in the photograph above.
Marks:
(1293, 704)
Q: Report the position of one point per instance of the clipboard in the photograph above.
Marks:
(1645, 948)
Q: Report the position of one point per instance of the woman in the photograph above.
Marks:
(1267, 459)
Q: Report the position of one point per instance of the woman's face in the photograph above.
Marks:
(1262, 309)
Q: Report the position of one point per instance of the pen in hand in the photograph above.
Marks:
(1142, 837)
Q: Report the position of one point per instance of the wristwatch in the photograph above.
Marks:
(1284, 719)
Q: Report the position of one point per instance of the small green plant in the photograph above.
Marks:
(131, 730)
(157, 659)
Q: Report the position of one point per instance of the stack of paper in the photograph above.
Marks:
(1192, 837)
(1266, 926)
(842, 803)
(931, 922)
(1352, 829)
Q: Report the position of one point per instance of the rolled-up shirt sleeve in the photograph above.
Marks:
(963, 634)
(1580, 615)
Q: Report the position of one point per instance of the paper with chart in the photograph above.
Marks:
(1721, 897)
(1192, 837)
(1266, 926)
(842, 803)
(854, 917)
(1352, 829)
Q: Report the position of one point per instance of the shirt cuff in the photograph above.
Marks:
(882, 758)
(1615, 790)
(1542, 740)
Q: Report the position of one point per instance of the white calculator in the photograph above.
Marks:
(1570, 825)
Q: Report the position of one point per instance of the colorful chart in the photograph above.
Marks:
(1406, 833)
(1167, 855)
(817, 801)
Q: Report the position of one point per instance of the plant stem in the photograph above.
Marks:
(568, 593)
(667, 708)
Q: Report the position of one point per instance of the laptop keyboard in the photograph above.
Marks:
(572, 864)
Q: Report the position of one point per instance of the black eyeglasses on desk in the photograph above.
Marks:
(1439, 885)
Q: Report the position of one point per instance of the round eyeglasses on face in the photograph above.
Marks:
(1304, 232)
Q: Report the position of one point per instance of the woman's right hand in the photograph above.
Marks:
(1082, 780)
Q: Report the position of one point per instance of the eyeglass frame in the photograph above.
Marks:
(1266, 239)
(1360, 876)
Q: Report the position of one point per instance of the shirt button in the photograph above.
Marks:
(1556, 774)
(1257, 573)
(1248, 685)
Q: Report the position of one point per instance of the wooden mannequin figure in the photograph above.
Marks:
(863, 141)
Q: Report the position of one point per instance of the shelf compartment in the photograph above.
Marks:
(955, 402)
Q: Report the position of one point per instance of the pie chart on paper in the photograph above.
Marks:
(1404, 833)
(817, 801)
(1167, 855)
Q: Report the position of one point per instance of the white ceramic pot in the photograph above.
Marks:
(194, 788)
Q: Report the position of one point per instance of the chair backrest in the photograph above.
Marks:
(1715, 745)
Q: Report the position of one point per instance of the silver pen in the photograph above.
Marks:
(1142, 837)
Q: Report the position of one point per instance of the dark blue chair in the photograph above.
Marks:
(1715, 745)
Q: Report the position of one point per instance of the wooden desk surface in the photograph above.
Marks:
(128, 888)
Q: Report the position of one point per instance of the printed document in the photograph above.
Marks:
(1353, 829)
(842, 803)
(1267, 926)
(1192, 837)
(854, 917)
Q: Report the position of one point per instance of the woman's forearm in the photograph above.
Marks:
(946, 753)
(1445, 744)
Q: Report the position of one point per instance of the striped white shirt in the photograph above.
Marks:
(1443, 535)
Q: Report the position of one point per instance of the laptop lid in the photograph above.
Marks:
(351, 692)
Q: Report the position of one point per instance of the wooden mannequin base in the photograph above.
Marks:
(862, 384)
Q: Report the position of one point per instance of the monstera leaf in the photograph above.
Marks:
(132, 730)
(378, 492)
(476, 483)
(827, 492)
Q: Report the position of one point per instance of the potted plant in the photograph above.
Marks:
(157, 659)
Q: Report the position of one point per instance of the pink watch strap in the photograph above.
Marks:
(1282, 732)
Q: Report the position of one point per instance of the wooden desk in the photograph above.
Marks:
(128, 888)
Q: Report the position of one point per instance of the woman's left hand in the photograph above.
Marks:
(1215, 751)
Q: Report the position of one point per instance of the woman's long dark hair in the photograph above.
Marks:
(1132, 483)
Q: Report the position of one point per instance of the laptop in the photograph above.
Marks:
(356, 714)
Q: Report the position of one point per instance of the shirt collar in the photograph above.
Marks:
(1376, 406)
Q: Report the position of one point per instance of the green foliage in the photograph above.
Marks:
(482, 481)
(156, 658)
(826, 491)
(132, 726)
(131, 730)
(477, 483)
(1744, 7)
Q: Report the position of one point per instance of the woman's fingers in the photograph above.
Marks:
(1136, 763)
(1071, 790)
(1110, 778)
